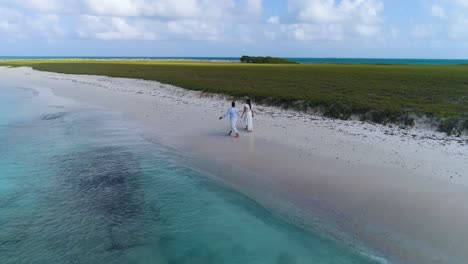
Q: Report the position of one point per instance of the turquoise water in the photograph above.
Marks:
(81, 185)
(300, 60)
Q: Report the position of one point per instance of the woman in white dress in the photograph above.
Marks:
(247, 115)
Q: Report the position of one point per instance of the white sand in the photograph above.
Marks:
(403, 193)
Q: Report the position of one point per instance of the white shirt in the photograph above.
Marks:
(233, 114)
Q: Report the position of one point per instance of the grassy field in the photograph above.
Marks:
(379, 93)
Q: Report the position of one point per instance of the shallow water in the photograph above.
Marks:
(81, 185)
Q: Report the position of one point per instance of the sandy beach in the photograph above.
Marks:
(400, 192)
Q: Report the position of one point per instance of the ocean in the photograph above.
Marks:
(83, 185)
(372, 61)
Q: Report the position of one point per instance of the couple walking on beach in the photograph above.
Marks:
(247, 116)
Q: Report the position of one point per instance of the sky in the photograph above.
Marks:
(231, 28)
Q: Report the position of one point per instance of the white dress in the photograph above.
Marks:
(248, 118)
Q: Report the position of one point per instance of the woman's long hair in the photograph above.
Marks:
(249, 103)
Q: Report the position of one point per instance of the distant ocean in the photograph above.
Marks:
(300, 60)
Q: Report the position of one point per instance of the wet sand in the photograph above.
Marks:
(399, 192)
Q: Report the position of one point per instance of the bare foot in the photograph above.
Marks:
(237, 135)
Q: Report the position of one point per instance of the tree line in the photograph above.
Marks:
(269, 60)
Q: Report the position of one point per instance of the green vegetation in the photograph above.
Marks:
(378, 93)
(265, 60)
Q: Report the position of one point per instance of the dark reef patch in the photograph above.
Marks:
(105, 182)
(53, 116)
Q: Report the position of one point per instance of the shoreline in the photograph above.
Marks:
(317, 164)
(388, 96)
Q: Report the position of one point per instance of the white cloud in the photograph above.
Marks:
(330, 11)
(458, 27)
(269, 35)
(463, 3)
(8, 14)
(145, 8)
(334, 20)
(16, 25)
(113, 28)
(43, 5)
(315, 11)
(194, 29)
(118, 28)
(133, 19)
(274, 20)
(438, 11)
(453, 19)
(423, 31)
(47, 25)
(49, 6)
(254, 7)
(307, 32)
(150, 8)
(10, 23)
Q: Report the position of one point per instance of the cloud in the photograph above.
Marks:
(463, 3)
(16, 25)
(149, 8)
(438, 11)
(195, 30)
(274, 20)
(334, 20)
(115, 28)
(254, 7)
(458, 27)
(145, 8)
(48, 26)
(307, 32)
(133, 19)
(50, 6)
(9, 15)
(211, 20)
(10, 23)
(127, 19)
(453, 19)
(423, 31)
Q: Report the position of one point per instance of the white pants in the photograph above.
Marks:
(234, 125)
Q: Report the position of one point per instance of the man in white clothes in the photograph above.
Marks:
(233, 114)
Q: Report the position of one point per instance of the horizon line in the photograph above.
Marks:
(188, 57)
